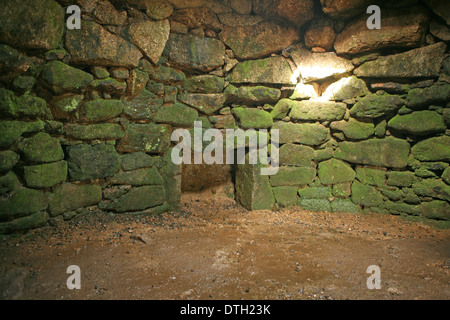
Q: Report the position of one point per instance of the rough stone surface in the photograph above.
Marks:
(342, 9)
(41, 24)
(187, 51)
(421, 62)
(253, 42)
(150, 37)
(101, 109)
(178, 115)
(22, 202)
(419, 123)
(144, 106)
(13, 130)
(314, 66)
(107, 131)
(285, 196)
(255, 95)
(436, 94)
(272, 70)
(35, 220)
(152, 138)
(365, 195)
(88, 162)
(205, 103)
(354, 129)
(94, 45)
(8, 160)
(346, 88)
(253, 190)
(432, 149)
(310, 134)
(137, 199)
(293, 176)
(62, 77)
(375, 152)
(376, 105)
(295, 155)
(252, 118)
(139, 177)
(334, 171)
(371, 176)
(45, 175)
(41, 148)
(317, 110)
(204, 84)
(297, 12)
(405, 28)
(320, 33)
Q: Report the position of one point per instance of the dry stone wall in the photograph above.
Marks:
(87, 114)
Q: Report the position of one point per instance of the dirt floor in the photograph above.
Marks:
(214, 249)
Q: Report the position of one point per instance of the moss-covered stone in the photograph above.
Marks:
(436, 209)
(87, 162)
(432, 188)
(45, 175)
(36, 220)
(22, 202)
(376, 105)
(253, 118)
(8, 182)
(346, 88)
(253, 190)
(393, 194)
(315, 205)
(293, 176)
(205, 103)
(315, 193)
(281, 109)
(68, 197)
(295, 155)
(354, 129)
(400, 179)
(272, 70)
(446, 176)
(138, 160)
(344, 205)
(204, 84)
(31, 25)
(342, 190)
(110, 85)
(335, 171)
(375, 152)
(63, 106)
(432, 149)
(367, 196)
(137, 199)
(323, 154)
(13, 130)
(101, 109)
(61, 77)
(41, 148)
(308, 110)
(310, 134)
(257, 95)
(22, 106)
(144, 106)
(178, 115)
(402, 208)
(285, 196)
(139, 177)
(436, 94)
(188, 51)
(106, 131)
(166, 75)
(171, 174)
(152, 138)
(8, 160)
(380, 129)
(419, 123)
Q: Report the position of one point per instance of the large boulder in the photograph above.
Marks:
(253, 42)
(41, 148)
(406, 28)
(94, 45)
(30, 24)
(421, 62)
